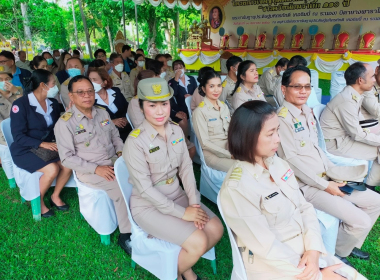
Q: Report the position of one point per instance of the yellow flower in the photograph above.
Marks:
(347, 55)
(314, 57)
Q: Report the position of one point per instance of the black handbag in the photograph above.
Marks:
(45, 154)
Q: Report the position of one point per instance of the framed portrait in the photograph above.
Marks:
(216, 17)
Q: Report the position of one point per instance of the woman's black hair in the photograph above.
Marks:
(245, 127)
(204, 77)
(38, 76)
(36, 62)
(97, 63)
(242, 69)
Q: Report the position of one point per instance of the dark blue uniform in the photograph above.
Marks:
(62, 76)
(29, 130)
(122, 105)
(178, 104)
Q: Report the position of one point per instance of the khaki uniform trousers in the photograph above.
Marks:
(359, 150)
(113, 191)
(358, 213)
(218, 163)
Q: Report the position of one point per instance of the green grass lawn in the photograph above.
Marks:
(66, 247)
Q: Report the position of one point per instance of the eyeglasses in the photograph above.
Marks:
(81, 93)
(299, 88)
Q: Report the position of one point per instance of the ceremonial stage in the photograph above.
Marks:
(325, 62)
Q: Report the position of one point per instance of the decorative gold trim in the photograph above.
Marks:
(222, 45)
(246, 42)
(223, 17)
(294, 41)
(337, 42)
(362, 43)
(314, 43)
(276, 42)
(157, 97)
(262, 43)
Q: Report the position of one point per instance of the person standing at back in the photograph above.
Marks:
(229, 83)
(119, 77)
(128, 63)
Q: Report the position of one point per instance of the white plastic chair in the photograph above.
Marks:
(7, 163)
(312, 101)
(338, 83)
(129, 120)
(315, 84)
(188, 99)
(97, 209)
(196, 79)
(338, 160)
(155, 255)
(238, 271)
(29, 183)
(211, 179)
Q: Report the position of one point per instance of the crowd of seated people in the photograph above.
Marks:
(276, 178)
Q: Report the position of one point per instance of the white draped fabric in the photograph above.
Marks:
(155, 3)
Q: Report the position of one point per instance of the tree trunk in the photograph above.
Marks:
(109, 37)
(75, 24)
(167, 38)
(28, 33)
(85, 28)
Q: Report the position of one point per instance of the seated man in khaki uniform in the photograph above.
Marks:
(340, 119)
(371, 106)
(299, 147)
(89, 143)
(269, 78)
(73, 65)
(120, 78)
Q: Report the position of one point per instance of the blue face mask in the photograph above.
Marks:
(73, 72)
(2, 86)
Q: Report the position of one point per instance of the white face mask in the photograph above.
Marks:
(236, 73)
(162, 75)
(170, 63)
(57, 57)
(141, 63)
(97, 87)
(52, 92)
(119, 67)
(282, 72)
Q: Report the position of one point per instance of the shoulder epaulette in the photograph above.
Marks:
(201, 104)
(238, 89)
(66, 116)
(271, 71)
(100, 107)
(135, 133)
(283, 112)
(173, 122)
(66, 83)
(236, 174)
(224, 83)
(135, 97)
(222, 102)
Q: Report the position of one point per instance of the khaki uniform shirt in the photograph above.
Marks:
(124, 84)
(196, 99)
(64, 93)
(169, 74)
(243, 94)
(211, 127)
(370, 105)
(133, 74)
(299, 145)
(134, 112)
(340, 120)
(277, 92)
(272, 220)
(152, 159)
(5, 111)
(268, 80)
(228, 87)
(85, 143)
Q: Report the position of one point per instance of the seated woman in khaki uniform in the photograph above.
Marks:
(246, 87)
(155, 154)
(211, 121)
(277, 230)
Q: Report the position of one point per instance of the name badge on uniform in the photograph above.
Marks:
(271, 195)
(155, 149)
(211, 120)
(298, 127)
(287, 175)
(175, 142)
(105, 122)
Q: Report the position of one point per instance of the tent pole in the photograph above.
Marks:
(123, 10)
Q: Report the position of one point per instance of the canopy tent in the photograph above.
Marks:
(183, 4)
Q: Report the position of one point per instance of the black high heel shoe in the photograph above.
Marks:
(48, 214)
(60, 208)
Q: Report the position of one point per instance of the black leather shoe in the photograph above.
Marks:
(48, 214)
(357, 253)
(198, 278)
(372, 188)
(125, 244)
(345, 261)
(60, 208)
